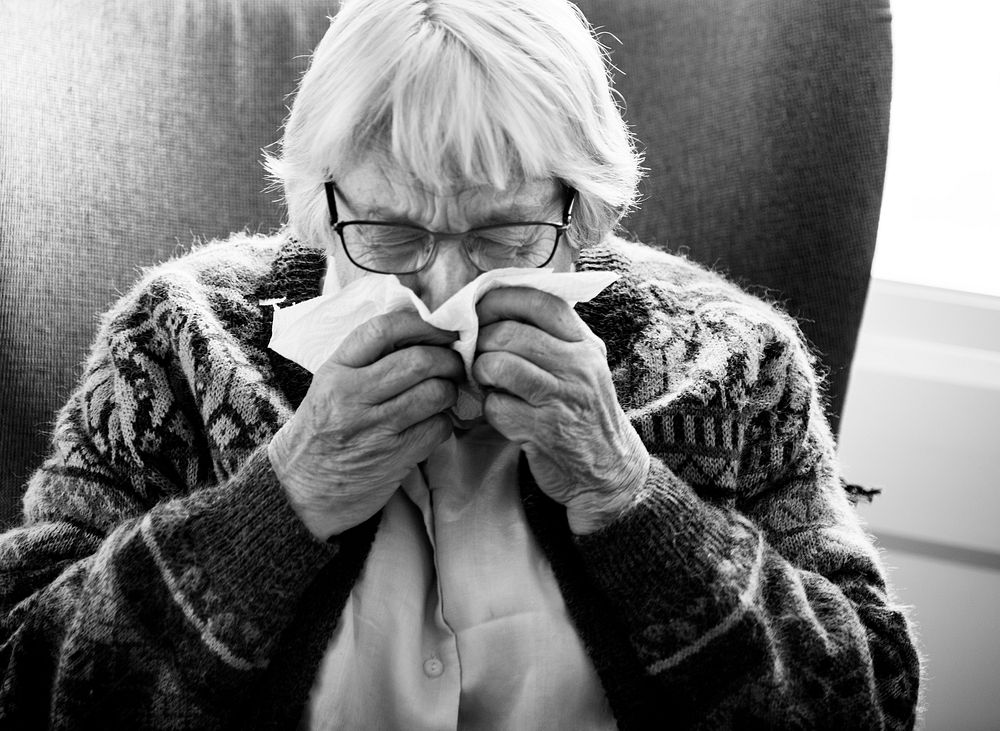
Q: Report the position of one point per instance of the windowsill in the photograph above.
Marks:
(923, 415)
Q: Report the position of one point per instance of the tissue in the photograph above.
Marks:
(310, 332)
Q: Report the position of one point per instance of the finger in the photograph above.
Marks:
(527, 341)
(417, 404)
(420, 439)
(534, 307)
(403, 369)
(510, 415)
(383, 334)
(510, 373)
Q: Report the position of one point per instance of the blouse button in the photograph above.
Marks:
(433, 667)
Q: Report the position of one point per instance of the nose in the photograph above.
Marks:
(447, 272)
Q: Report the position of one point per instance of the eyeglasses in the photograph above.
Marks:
(396, 248)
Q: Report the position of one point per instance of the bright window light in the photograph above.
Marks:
(940, 222)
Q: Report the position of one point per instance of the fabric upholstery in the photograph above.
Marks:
(765, 124)
(127, 129)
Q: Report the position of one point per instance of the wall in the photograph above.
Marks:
(922, 421)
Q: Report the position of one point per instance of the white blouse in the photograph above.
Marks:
(457, 620)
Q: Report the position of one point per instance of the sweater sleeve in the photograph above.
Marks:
(159, 561)
(749, 591)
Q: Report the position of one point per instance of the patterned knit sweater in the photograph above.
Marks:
(160, 578)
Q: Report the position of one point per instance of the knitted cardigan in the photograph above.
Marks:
(161, 579)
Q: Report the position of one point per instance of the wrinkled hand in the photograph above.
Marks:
(373, 411)
(552, 393)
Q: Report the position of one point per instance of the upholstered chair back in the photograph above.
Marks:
(129, 129)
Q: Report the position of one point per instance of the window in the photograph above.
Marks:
(940, 222)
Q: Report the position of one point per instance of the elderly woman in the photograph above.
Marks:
(645, 527)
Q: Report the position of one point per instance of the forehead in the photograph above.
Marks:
(378, 185)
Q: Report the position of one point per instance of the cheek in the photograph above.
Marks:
(340, 271)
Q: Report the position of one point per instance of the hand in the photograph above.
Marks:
(552, 393)
(373, 411)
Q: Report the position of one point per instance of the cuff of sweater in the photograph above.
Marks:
(671, 549)
(236, 558)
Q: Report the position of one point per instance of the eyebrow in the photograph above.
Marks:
(375, 211)
(513, 214)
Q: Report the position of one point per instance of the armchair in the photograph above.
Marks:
(127, 129)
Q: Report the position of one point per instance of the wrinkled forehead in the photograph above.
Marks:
(442, 170)
(378, 169)
(378, 186)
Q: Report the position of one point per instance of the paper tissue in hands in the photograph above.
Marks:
(310, 332)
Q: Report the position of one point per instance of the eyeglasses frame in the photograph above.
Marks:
(338, 226)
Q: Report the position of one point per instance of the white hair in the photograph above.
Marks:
(460, 92)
